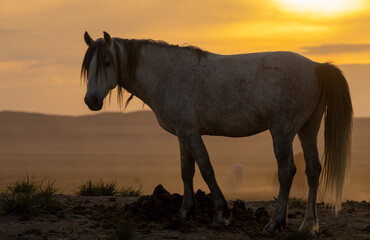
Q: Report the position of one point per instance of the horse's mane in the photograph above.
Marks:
(132, 49)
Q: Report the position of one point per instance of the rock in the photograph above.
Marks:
(162, 208)
(238, 210)
(176, 200)
(160, 189)
(160, 205)
(262, 215)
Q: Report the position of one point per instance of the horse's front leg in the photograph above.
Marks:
(286, 171)
(188, 206)
(194, 142)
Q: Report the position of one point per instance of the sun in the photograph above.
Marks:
(327, 7)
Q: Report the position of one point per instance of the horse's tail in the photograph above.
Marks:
(338, 129)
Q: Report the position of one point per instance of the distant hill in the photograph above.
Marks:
(111, 130)
(133, 147)
(30, 131)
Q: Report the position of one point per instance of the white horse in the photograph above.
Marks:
(193, 93)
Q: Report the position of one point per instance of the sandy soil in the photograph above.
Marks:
(93, 217)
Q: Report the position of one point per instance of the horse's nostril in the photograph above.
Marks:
(93, 102)
(86, 101)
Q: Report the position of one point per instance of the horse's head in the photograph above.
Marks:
(99, 69)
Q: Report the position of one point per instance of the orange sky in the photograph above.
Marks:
(41, 42)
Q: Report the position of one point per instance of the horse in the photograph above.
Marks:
(193, 92)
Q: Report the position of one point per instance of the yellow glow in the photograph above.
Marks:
(321, 6)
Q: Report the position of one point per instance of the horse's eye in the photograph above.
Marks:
(107, 64)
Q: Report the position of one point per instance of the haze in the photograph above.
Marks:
(132, 149)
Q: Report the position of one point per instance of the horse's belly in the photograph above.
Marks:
(233, 126)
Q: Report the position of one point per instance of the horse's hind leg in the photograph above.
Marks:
(286, 171)
(194, 143)
(188, 206)
(308, 137)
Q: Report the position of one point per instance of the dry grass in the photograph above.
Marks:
(100, 188)
(29, 196)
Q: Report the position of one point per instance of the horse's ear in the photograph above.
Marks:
(88, 39)
(107, 38)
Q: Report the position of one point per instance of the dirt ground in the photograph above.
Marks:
(154, 217)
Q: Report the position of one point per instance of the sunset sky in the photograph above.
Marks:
(42, 47)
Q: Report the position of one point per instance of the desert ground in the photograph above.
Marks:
(154, 217)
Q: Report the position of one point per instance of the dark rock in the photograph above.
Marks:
(262, 215)
(238, 211)
(160, 205)
(160, 189)
(203, 199)
(176, 200)
(161, 209)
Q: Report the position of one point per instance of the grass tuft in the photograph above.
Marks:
(27, 185)
(45, 196)
(100, 188)
(29, 196)
(124, 229)
(130, 191)
(19, 204)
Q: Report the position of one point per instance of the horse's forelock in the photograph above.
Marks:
(102, 53)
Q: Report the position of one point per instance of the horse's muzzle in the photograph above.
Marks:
(93, 103)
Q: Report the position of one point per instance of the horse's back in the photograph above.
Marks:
(241, 95)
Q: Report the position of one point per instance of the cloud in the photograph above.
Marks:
(4, 31)
(335, 48)
(14, 66)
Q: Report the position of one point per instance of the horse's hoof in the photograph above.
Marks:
(187, 214)
(183, 215)
(220, 221)
(309, 227)
(270, 230)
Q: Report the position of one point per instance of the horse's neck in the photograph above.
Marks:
(158, 65)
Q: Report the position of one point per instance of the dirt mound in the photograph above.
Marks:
(162, 208)
(160, 205)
